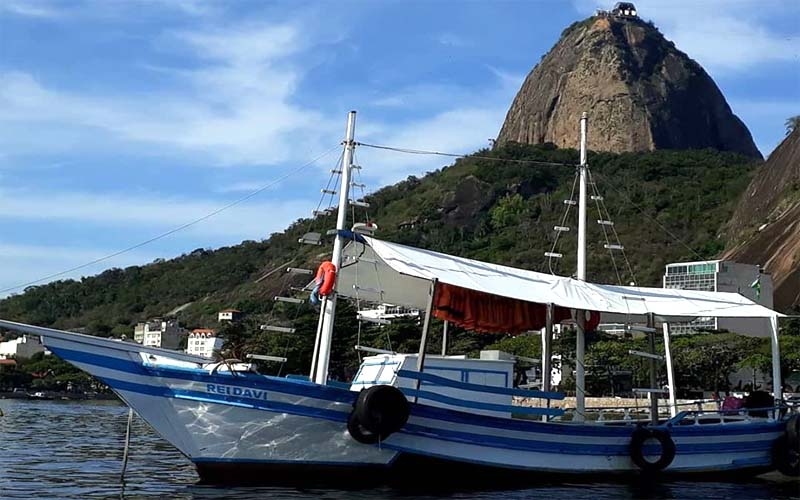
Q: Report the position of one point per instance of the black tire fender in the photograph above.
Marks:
(358, 432)
(382, 409)
(644, 434)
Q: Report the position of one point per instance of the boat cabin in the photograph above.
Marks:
(485, 384)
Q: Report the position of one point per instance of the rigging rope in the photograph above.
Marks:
(642, 211)
(600, 207)
(456, 155)
(176, 229)
(563, 222)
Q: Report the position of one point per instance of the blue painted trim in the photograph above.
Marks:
(295, 387)
(258, 404)
(350, 235)
(559, 447)
(725, 429)
(744, 464)
(566, 428)
(436, 379)
(465, 370)
(478, 405)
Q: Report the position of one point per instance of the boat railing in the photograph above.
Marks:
(697, 411)
(695, 417)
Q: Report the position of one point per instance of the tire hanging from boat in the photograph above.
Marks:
(644, 434)
(359, 432)
(378, 412)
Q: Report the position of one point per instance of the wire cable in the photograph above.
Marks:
(455, 155)
(653, 219)
(173, 230)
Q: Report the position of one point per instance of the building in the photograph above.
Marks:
(22, 347)
(203, 342)
(157, 332)
(624, 9)
(722, 276)
(229, 315)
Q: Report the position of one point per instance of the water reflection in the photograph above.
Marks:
(71, 450)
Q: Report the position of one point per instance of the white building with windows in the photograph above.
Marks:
(722, 276)
(229, 315)
(203, 342)
(22, 347)
(167, 334)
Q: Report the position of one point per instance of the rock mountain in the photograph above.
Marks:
(765, 227)
(641, 94)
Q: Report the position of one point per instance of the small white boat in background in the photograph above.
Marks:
(412, 412)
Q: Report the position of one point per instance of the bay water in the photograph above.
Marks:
(74, 450)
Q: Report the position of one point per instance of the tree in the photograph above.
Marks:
(792, 123)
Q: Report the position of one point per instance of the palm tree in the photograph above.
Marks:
(792, 124)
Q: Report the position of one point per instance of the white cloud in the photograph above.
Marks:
(459, 131)
(722, 35)
(29, 8)
(466, 121)
(236, 108)
(253, 219)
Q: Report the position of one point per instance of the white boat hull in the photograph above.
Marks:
(251, 427)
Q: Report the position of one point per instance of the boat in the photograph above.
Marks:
(461, 418)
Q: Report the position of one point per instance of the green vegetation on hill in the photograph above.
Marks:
(495, 205)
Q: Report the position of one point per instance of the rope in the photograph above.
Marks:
(640, 209)
(614, 230)
(456, 155)
(127, 446)
(596, 195)
(174, 230)
(563, 222)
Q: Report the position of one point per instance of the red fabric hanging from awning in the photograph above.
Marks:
(487, 313)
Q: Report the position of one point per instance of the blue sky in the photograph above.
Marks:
(120, 120)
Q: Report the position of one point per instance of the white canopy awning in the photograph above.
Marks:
(379, 271)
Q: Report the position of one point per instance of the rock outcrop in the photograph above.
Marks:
(766, 224)
(641, 94)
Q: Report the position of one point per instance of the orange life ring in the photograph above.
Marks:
(326, 278)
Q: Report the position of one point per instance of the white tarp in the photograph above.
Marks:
(397, 274)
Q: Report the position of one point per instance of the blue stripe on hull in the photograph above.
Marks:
(577, 448)
(291, 386)
(330, 394)
(275, 406)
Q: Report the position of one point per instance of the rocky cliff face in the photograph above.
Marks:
(766, 224)
(641, 94)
